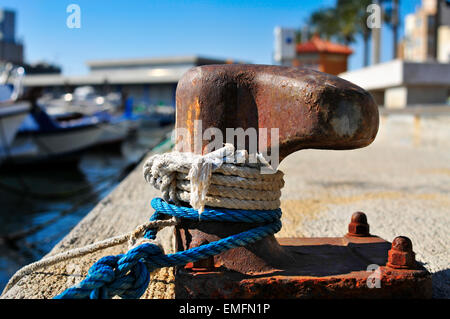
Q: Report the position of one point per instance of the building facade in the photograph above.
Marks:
(427, 33)
(317, 54)
(321, 55)
(11, 50)
(399, 83)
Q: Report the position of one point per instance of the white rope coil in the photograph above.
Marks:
(223, 178)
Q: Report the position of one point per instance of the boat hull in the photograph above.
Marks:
(11, 117)
(45, 146)
(114, 132)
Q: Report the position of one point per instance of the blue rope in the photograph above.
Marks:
(128, 275)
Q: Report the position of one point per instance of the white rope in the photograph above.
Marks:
(223, 178)
(131, 237)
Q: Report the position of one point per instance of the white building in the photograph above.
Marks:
(399, 83)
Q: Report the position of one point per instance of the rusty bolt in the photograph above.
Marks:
(401, 254)
(358, 226)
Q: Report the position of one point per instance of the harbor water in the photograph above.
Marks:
(39, 205)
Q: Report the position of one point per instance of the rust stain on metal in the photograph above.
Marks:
(318, 268)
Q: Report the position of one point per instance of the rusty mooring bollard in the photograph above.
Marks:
(311, 110)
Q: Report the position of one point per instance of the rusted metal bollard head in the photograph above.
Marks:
(310, 109)
(401, 254)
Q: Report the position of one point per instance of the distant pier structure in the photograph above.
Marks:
(150, 81)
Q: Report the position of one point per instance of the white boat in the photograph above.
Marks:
(12, 112)
(42, 139)
(115, 132)
(82, 100)
(157, 116)
(33, 136)
(38, 147)
(115, 128)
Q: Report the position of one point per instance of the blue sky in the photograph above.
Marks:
(241, 30)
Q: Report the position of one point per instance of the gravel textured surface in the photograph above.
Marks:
(404, 190)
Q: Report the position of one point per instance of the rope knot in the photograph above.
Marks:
(223, 178)
(126, 275)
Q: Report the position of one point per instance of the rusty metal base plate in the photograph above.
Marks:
(334, 267)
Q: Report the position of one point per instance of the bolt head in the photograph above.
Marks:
(359, 218)
(402, 243)
(401, 254)
(358, 226)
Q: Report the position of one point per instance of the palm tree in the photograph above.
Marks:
(365, 32)
(391, 17)
(344, 23)
(354, 20)
(324, 23)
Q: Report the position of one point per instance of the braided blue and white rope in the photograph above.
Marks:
(128, 275)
